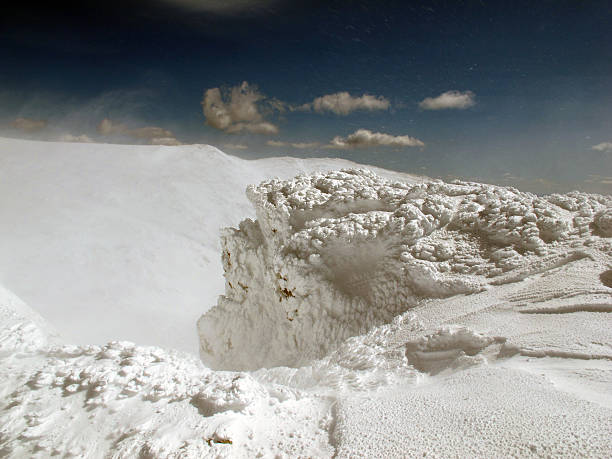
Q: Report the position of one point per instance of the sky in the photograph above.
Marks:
(514, 93)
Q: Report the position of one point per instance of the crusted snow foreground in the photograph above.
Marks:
(123, 400)
(332, 255)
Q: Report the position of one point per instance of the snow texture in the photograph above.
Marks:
(124, 234)
(332, 255)
(481, 327)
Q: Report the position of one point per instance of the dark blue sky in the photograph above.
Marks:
(532, 81)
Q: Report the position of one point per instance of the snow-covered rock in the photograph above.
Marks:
(332, 255)
(124, 234)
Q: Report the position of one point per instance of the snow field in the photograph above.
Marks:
(414, 317)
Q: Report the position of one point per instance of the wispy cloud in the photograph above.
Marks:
(364, 138)
(305, 145)
(449, 100)
(83, 138)
(154, 135)
(238, 109)
(236, 146)
(600, 179)
(29, 125)
(300, 145)
(342, 103)
(170, 141)
(604, 146)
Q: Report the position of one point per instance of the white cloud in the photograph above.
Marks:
(238, 110)
(29, 125)
(171, 141)
(154, 135)
(300, 145)
(236, 146)
(601, 179)
(342, 103)
(83, 138)
(604, 146)
(363, 138)
(448, 100)
(264, 127)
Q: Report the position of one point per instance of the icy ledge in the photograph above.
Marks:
(332, 255)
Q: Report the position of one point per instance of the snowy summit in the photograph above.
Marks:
(364, 313)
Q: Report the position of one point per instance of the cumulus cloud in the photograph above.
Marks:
(449, 100)
(342, 103)
(83, 138)
(364, 138)
(300, 145)
(604, 146)
(238, 109)
(29, 125)
(152, 134)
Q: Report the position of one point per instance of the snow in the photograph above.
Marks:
(515, 414)
(99, 237)
(332, 255)
(433, 319)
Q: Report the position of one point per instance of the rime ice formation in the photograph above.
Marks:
(332, 255)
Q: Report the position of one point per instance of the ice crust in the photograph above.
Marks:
(332, 255)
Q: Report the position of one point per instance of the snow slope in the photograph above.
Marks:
(120, 242)
(490, 336)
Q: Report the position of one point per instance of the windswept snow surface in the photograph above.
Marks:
(121, 242)
(362, 317)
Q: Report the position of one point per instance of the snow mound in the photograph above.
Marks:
(603, 222)
(452, 347)
(332, 255)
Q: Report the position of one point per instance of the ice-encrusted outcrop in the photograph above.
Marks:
(331, 255)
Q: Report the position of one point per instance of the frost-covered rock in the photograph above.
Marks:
(331, 255)
(603, 222)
